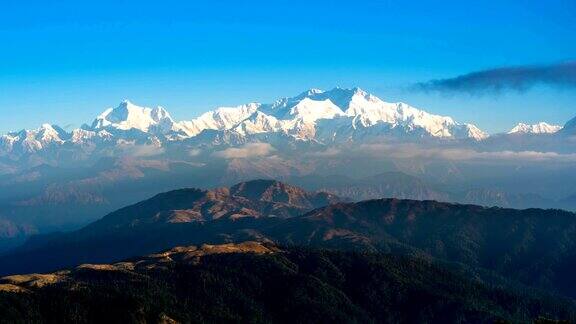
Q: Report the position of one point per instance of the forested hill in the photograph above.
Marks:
(256, 283)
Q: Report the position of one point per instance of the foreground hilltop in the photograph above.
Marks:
(254, 282)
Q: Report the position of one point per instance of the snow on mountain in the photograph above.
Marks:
(369, 110)
(365, 111)
(258, 123)
(220, 119)
(81, 136)
(340, 111)
(469, 131)
(48, 133)
(7, 141)
(306, 106)
(29, 141)
(128, 116)
(323, 116)
(295, 116)
(539, 128)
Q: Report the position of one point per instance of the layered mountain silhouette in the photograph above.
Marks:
(533, 246)
(259, 199)
(56, 179)
(254, 199)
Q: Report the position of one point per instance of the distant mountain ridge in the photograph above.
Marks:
(255, 199)
(539, 128)
(338, 114)
(315, 116)
(403, 186)
(350, 110)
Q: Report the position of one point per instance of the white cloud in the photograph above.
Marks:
(145, 150)
(413, 151)
(246, 151)
(194, 152)
(329, 152)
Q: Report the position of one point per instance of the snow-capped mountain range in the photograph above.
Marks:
(539, 128)
(310, 115)
(337, 115)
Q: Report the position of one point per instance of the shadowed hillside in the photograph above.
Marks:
(254, 283)
(533, 246)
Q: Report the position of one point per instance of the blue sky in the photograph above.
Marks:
(64, 61)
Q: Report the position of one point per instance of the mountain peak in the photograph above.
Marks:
(256, 198)
(128, 115)
(336, 95)
(359, 91)
(309, 93)
(539, 128)
(263, 189)
(312, 110)
(30, 141)
(279, 192)
(46, 126)
(126, 106)
(48, 132)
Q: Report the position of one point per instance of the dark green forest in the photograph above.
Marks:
(296, 285)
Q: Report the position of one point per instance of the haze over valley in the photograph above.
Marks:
(343, 141)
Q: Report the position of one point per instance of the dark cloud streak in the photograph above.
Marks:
(516, 78)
